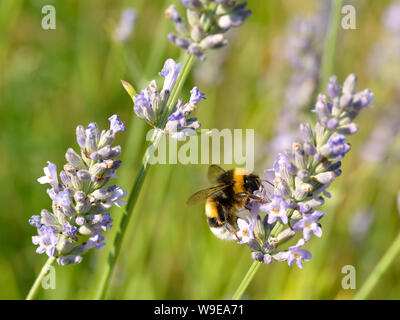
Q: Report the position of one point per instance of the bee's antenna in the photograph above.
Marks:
(268, 182)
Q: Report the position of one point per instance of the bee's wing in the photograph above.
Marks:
(202, 195)
(214, 172)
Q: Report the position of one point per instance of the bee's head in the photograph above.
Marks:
(252, 183)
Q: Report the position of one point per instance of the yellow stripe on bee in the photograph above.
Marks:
(211, 209)
(238, 176)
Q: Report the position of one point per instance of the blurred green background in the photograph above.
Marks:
(53, 80)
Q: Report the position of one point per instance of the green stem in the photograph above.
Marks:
(35, 287)
(246, 280)
(379, 270)
(155, 140)
(113, 255)
(328, 59)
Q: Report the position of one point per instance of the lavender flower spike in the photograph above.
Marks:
(151, 105)
(78, 215)
(302, 175)
(207, 23)
(126, 25)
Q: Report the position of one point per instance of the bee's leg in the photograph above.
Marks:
(231, 229)
(253, 197)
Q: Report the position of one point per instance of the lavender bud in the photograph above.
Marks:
(269, 245)
(348, 129)
(225, 22)
(346, 100)
(197, 33)
(104, 193)
(306, 132)
(92, 136)
(303, 175)
(300, 157)
(192, 4)
(83, 175)
(314, 202)
(113, 164)
(280, 256)
(82, 202)
(180, 25)
(98, 182)
(349, 85)
(74, 159)
(257, 256)
(291, 204)
(282, 188)
(70, 259)
(309, 148)
(69, 168)
(325, 177)
(80, 136)
(239, 14)
(258, 229)
(336, 110)
(106, 138)
(333, 88)
(86, 230)
(115, 152)
(62, 218)
(321, 107)
(181, 42)
(302, 191)
(332, 123)
(101, 207)
(213, 41)
(80, 220)
(335, 166)
(65, 179)
(77, 184)
(65, 246)
(98, 169)
(338, 172)
(253, 245)
(267, 259)
(285, 235)
(322, 167)
(286, 177)
(320, 134)
(195, 50)
(48, 218)
(103, 153)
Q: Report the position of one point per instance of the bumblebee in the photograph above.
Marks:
(231, 193)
